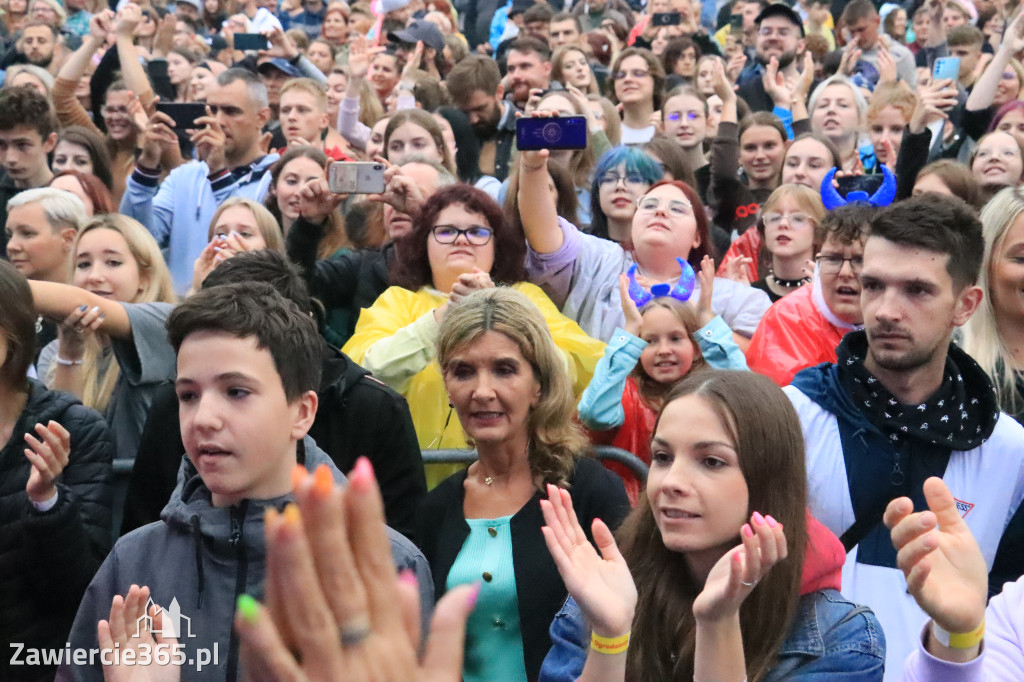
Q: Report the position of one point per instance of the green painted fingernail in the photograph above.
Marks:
(249, 608)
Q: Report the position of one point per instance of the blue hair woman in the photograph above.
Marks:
(622, 175)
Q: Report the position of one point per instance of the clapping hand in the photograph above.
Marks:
(127, 630)
(706, 279)
(468, 282)
(336, 610)
(737, 573)
(634, 320)
(48, 455)
(600, 584)
(945, 570)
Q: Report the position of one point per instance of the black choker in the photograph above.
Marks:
(789, 283)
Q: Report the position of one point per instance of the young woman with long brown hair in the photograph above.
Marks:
(698, 592)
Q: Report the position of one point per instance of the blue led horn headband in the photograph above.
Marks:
(682, 290)
(883, 196)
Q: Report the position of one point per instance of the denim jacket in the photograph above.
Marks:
(831, 639)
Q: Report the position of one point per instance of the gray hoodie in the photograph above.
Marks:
(196, 561)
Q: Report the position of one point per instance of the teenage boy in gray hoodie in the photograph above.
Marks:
(248, 370)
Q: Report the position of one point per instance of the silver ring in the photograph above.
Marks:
(353, 635)
(746, 584)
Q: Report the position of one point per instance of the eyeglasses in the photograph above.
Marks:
(631, 181)
(831, 264)
(680, 115)
(638, 74)
(675, 207)
(797, 220)
(768, 32)
(476, 235)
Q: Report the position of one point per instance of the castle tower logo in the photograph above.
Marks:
(172, 621)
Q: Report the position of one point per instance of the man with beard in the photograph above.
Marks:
(780, 34)
(38, 44)
(475, 87)
(862, 21)
(903, 404)
(528, 68)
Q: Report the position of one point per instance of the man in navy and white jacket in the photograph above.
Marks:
(231, 163)
(902, 404)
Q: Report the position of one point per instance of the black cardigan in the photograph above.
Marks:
(442, 530)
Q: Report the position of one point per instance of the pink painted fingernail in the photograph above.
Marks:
(747, 530)
(471, 599)
(408, 576)
(772, 523)
(758, 519)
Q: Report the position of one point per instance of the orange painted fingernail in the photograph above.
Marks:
(323, 481)
(270, 516)
(299, 474)
(291, 514)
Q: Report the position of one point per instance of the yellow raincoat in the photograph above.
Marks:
(396, 339)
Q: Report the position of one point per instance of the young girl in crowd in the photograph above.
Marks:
(889, 111)
(997, 162)
(414, 132)
(790, 234)
(638, 81)
(112, 349)
(685, 118)
(569, 66)
(692, 590)
(82, 150)
(946, 176)
(664, 340)
(621, 176)
(837, 110)
(296, 168)
(238, 225)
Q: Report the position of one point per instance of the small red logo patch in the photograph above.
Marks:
(963, 507)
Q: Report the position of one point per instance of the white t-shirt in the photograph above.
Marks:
(637, 135)
(264, 21)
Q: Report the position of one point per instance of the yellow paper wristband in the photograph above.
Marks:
(957, 640)
(609, 645)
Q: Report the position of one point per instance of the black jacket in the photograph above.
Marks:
(441, 531)
(48, 558)
(351, 281)
(357, 416)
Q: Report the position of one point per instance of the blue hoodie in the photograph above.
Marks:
(179, 210)
(202, 558)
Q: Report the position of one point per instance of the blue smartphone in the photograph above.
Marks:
(563, 132)
(946, 68)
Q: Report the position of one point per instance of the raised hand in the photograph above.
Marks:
(126, 631)
(280, 45)
(128, 19)
(719, 81)
(101, 25)
(208, 139)
(468, 282)
(932, 102)
(737, 269)
(49, 455)
(851, 55)
(400, 191)
(886, 65)
(1013, 36)
(775, 85)
(706, 279)
(737, 573)
(360, 54)
(945, 570)
(336, 608)
(634, 320)
(601, 584)
(412, 64)
(158, 136)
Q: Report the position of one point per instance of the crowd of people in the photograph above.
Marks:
(737, 387)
